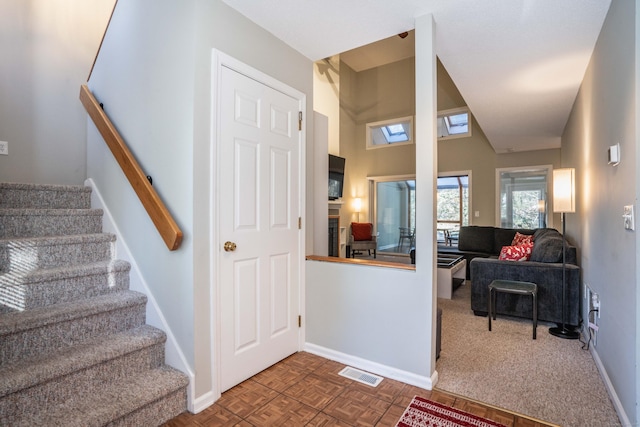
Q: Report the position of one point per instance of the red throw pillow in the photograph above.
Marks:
(521, 239)
(361, 230)
(516, 253)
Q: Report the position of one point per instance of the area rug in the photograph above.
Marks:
(423, 412)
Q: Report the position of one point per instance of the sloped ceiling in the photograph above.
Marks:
(517, 63)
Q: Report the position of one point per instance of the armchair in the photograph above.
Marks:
(361, 238)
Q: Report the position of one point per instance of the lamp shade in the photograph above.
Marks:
(564, 190)
(357, 204)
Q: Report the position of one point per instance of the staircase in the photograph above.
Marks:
(74, 346)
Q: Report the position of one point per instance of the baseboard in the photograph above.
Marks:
(624, 419)
(173, 354)
(202, 402)
(374, 367)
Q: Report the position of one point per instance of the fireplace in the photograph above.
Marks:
(334, 235)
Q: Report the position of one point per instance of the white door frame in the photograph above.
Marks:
(219, 60)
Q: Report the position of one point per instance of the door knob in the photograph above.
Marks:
(229, 246)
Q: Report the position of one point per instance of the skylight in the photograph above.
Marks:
(395, 133)
(390, 133)
(454, 123)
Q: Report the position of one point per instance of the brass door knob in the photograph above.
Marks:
(229, 246)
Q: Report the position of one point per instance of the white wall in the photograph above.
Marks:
(605, 113)
(357, 313)
(144, 78)
(48, 47)
(326, 97)
(154, 78)
(383, 318)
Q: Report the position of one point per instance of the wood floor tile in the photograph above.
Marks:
(357, 408)
(306, 390)
(391, 417)
(282, 411)
(324, 420)
(280, 377)
(486, 412)
(246, 397)
(304, 361)
(215, 415)
(330, 370)
(315, 391)
(387, 390)
(407, 394)
(441, 397)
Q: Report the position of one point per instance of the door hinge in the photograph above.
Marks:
(299, 223)
(300, 120)
(299, 321)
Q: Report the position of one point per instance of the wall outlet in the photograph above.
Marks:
(593, 302)
(4, 148)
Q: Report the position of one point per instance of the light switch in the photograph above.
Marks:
(476, 214)
(627, 216)
(4, 148)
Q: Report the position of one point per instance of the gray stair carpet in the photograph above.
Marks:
(74, 346)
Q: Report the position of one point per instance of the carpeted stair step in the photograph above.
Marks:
(74, 347)
(47, 381)
(15, 195)
(44, 330)
(49, 222)
(149, 398)
(44, 287)
(23, 255)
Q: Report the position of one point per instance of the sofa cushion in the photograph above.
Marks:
(542, 232)
(516, 252)
(504, 237)
(521, 239)
(476, 238)
(547, 249)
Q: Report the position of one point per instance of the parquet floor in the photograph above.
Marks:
(306, 390)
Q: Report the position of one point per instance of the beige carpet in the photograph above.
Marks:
(549, 378)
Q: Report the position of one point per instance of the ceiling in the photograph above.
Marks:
(517, 63)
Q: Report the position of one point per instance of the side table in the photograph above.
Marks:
(513, 287)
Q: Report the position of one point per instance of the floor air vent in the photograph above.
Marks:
(361, 376)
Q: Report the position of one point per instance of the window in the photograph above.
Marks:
(390, 133)
(395, 213)
(523, 198)
(455, 123)
(452, 203)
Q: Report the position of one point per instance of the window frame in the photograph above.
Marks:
(373, 197)
(549, 192)
(370, 128)
(468, 174)
(453, 112)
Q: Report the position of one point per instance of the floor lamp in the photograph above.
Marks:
(357, 206)
(564, 201)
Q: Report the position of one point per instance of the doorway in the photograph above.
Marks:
(257, 241)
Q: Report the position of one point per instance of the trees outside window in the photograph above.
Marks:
(523, 196)
(452, 203)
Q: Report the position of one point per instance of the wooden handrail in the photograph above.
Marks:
(113, 9)
(157, 211)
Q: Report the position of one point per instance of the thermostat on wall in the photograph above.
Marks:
(614, 154)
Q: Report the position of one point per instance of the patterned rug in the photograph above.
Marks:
(423, 412)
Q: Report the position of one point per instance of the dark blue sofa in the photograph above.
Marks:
(544, 268)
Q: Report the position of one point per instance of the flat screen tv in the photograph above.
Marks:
(336, 176)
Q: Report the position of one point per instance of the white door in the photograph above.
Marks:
(259, 171)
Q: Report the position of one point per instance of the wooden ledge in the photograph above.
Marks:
(367, 262)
